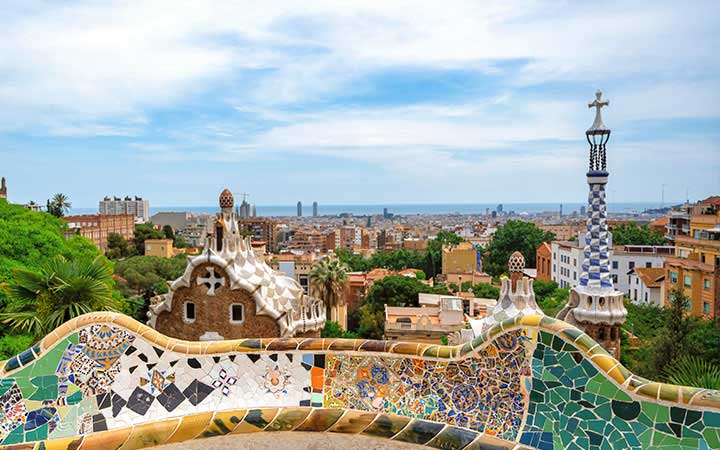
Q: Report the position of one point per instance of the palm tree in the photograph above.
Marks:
(693, 371)
(61, 290)
(327, 280)
(59, 205)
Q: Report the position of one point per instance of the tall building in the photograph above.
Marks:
(137, 207)
(299, 209)
(499, 208)
(315, 209)
(595, 305)
(3, 189)
(260, 229)
(696, 263)
(97, 227)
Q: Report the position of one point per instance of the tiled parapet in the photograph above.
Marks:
(106, 381)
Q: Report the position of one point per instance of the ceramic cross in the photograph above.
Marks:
(211, 281)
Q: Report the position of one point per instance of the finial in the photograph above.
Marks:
(226, 199)
(516, 263)
(598, 127)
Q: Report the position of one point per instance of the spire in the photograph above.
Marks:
(597, 135)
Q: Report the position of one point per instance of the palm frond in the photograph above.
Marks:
(693, 371)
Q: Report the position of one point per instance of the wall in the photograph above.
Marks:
(105, 381)
(213, 312)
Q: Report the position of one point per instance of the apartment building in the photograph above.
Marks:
(97, 227)
(136, 207)
(260, 229)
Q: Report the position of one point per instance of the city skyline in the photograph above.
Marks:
(440, 104)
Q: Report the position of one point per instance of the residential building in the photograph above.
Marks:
(260, 229)
(309, 241)
(567, 260)
(563, 231)
(136, 207)
(461, 258)
(97, 227)
(426, 323)
(646, 286)
(678, 223)
(177, 220)
(159, 247)
(543, 262)
(696, 263)
(227, 292)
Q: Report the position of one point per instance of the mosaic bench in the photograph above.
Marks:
(106, 381)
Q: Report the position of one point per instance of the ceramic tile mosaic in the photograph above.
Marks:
(532, 382)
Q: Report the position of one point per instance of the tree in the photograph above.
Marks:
(484, 290)
(169, 232)
(147, 276)
(145, 231)
(334, 330)
(61, 290)
(514, 235)
(632, 234)
(117, 246)
(693, 371)
(59, 205)
(672, 341)
(327, 279)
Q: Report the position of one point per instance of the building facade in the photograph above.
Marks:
(543, 262)
(97, 227)
(696, 263)
(646, 285)
(136, 207)
(260, 229)
(162, 248)
(227, 292)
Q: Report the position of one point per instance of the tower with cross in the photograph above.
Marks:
(595, 305)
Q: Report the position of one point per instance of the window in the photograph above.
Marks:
(614, 264)
(631, 265)
(673, 277)
(687, 281)
(706, 283)
(706, 307)
(648, 265)
(614, 278)
(237, 313)
(189, 312)
(646, 297)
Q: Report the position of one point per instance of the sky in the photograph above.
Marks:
(348, 102)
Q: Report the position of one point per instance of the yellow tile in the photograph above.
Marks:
(150, 434)
(190, 427)
(111, 439)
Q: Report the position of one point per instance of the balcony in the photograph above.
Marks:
(688, 241)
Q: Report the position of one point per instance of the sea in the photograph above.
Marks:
(403, 209)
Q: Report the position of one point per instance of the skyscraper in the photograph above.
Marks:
(315, 209)
(299, 209)
(595, 305)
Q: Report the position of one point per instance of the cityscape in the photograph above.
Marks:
(374, 261)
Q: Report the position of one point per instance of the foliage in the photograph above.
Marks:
(484, 290)
(691, 370)
(169, 232)
(514, 235)
(147, 276)
(420, 275)
(672, 341)
(145, 231)
(633, 234)
(30, 238)
(12, 344)
(59, 205)
(544, 288)
(327, 279)
(552, 303)
(180, 242)
(334, 330)
(444, 339)
(61, 290)
(117, 247)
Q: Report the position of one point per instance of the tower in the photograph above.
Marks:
(299, 209)
(3, 189)
(315, 209)
(595, 305)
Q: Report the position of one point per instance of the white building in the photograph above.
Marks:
(137, 207)
(646, 286)
(567, 260)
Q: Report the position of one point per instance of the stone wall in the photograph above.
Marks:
(213, 312)
(104, 380)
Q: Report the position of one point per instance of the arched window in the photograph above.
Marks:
(601, 334)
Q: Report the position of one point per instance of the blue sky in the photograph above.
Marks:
(356, 102)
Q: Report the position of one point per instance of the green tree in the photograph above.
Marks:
(672, 341)
(334, 330)
(691, 370)
(327, 279)
(145, 231)
(356, 263)
(484, 290)
(117, 246)
(632, 234)
(147, 276)
(169, 232)
(59, 205)
(61, 290)
(514, 235)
